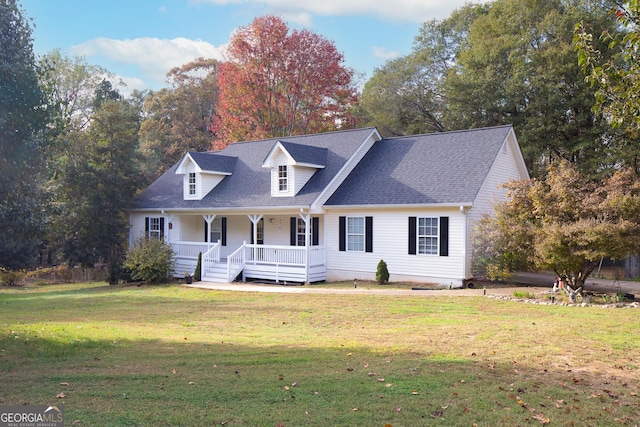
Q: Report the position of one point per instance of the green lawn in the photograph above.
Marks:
(168, 355)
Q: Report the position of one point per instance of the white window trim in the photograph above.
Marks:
(349, 243)
(283, 178)
(192, 184)
(435, 237)
(155, 231)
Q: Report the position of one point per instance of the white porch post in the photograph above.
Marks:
(306, 217)
(254, 228)
(209, 219)
(168, 220)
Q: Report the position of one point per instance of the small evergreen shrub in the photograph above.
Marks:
(150, 260)
(382, 273)
(197, 275)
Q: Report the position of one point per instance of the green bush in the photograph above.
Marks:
(150, 260)
(382, 273)
(197, 275)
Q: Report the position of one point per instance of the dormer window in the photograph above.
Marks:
(283, 178)
(192, 183)
(292, 166)
(202, 172)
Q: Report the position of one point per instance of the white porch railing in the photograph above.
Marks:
(235, 263)
(211, 257)
(186, 256)
(191, 249)
(269, 262)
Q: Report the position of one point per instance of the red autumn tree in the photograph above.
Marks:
(278, 82)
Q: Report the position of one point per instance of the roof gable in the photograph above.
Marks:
(207, 163)
(298, 154)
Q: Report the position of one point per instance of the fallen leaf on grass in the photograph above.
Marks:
(355, 409)
(64, 384)
(388, 385)
(397, 409)
(61, 395)
(414, 392)
(541, 418)
(173, 371)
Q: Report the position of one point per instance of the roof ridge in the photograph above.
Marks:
(451, 131)
(279, 138)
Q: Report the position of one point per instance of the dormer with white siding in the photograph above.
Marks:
(202, 172)
(292, 165)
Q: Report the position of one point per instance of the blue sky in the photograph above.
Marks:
(140, 40)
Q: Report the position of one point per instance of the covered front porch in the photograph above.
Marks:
(230, 253)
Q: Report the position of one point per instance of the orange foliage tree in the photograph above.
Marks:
(278, 82)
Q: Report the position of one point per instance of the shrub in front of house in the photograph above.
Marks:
(150, 260)
(382, 273)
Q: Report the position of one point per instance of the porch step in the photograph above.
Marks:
(216, 273)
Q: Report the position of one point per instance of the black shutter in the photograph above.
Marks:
(315, 231)
(251, 230)
(368, 234)
(444, 236)
(223, 220)
(146, 227)
(342, 228)
(206, 231)
(293, 231)
(161, 228)
(412, 235)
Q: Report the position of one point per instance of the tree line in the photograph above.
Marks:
(74, 151)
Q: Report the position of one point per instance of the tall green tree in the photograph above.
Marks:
(402, 98)
(177, 118)
(70, 84)
(610, 60)
(98, 186)
(22, 120)
(406, 96)
(518, 66)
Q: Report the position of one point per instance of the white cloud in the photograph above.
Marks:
(398, 10)
(384, 53)
(153, 56)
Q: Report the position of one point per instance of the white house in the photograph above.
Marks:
(330, 206)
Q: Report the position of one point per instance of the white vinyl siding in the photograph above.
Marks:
(391, 227)
(504, 169)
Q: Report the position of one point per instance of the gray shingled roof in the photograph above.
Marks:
(305, 153)
(214, 162)
(437, 168)
(249, 185)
